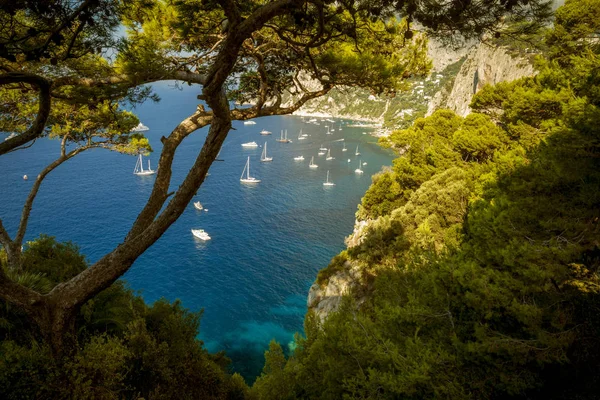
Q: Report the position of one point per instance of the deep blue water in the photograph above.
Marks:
(268, 240)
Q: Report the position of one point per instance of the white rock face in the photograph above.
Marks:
(484, 65)
(325, 300)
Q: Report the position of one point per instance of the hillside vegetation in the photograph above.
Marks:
(484, 251)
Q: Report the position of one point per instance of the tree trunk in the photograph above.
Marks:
(57, 327)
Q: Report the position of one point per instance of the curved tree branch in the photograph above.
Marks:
(38, 125)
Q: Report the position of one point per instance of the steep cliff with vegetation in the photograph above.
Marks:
(478, 275)
(457, 74)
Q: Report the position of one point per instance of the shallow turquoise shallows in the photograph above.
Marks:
(268, 239)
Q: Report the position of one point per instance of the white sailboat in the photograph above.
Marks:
(344, 148)
(329, 155)
(328, 132)
(327, 183)
(248, 178)
(200, 234)
(357, 153)
(358, 170)
(312, 163)
(139, 167)
(301, 136)
(263, 156)
(322, 148)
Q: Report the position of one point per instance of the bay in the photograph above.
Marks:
(269, 239)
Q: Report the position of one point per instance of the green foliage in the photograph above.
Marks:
(336, 264)
(127, 349)
(485, 265)
(430, 146)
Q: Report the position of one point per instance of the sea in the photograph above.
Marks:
(269, 239)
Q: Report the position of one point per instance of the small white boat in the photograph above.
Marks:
(358, 170)
(328, 131)
(140, 128)
(139, 167)
(301, 136)
(299, 158)
(248, 178)
(323, 148)
(200, 234)
(312, 120)
(263, 156)
(321, 153)
(365, 163)
(249, 123)
(329, 155)
(327, 183)
(349, 160)
(265, 132)
(198, 205)
(312, 163)
(344, 148)
(250, 144)
(357, 153)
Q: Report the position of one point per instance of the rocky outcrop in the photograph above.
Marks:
(325, 299)
(485, 64)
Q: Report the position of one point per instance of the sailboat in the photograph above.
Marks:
(263, 156)
(327, 183)
(323, 148)
(357, 152)
(312, 163)
(328, 132)
(139, 167)
(340, 127)
(329, 155)
(344, 149)
(283, 138)
(301, 136)
(248, 178)
(358, 170)
(198, 205)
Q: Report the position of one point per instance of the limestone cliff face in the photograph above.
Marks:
(484, 65)
(323, 300)
(326, 298)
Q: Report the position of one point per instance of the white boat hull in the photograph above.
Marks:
(200, 234)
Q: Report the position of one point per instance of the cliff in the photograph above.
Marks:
(463, 73)
(485, 64)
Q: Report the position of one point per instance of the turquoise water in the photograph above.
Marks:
(268, 240)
